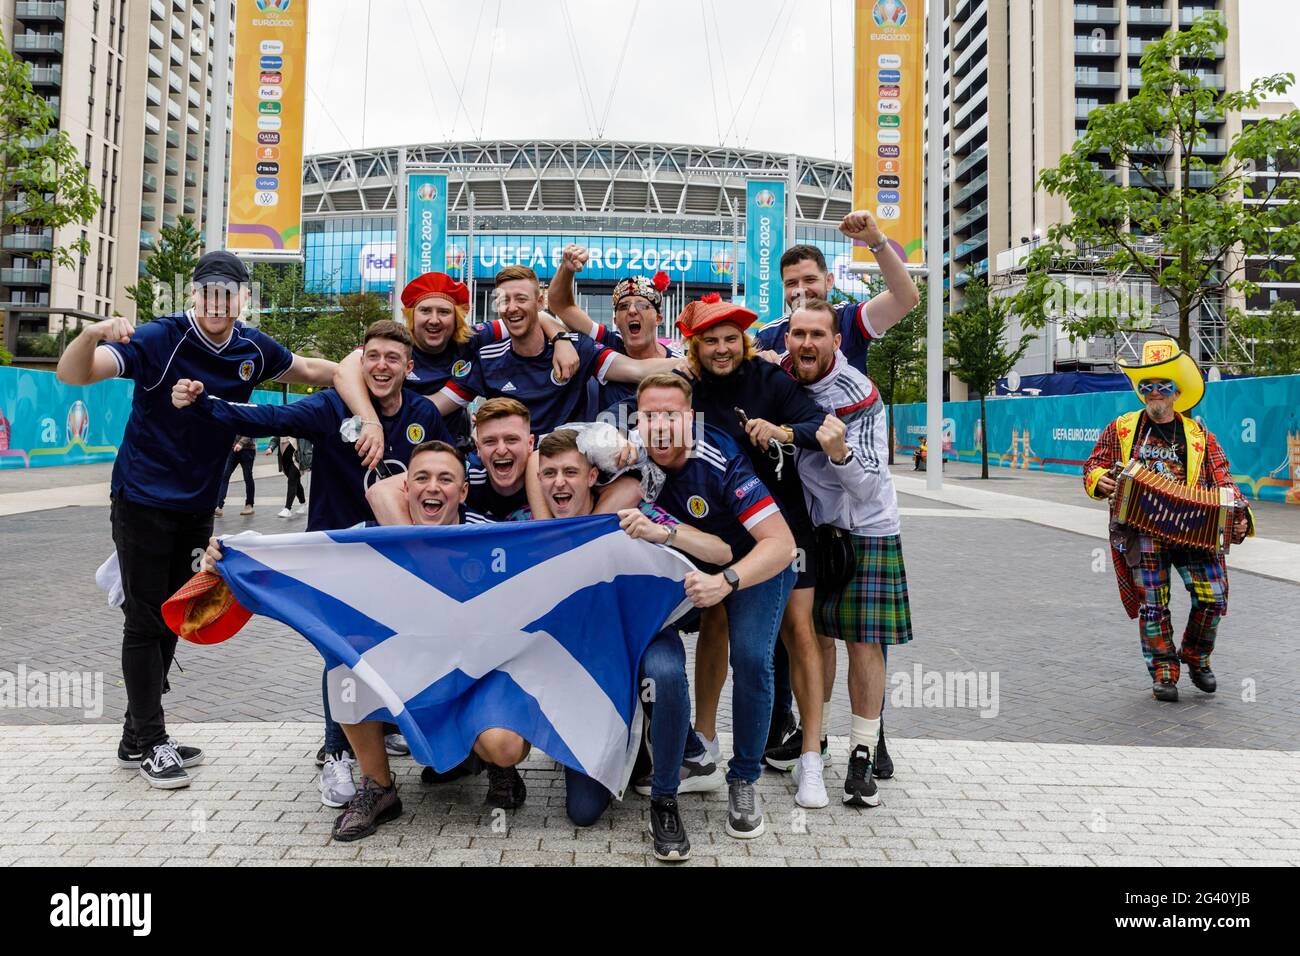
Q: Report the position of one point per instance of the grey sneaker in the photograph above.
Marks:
(371, 806)
(395, 745)
(697, 775)
(336, 785)
(744, 811)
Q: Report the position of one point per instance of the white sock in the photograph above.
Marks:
(826, 718)
(865, 733)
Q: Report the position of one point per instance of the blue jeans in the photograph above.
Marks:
(754, 623)
(664, 664)
(335, 739)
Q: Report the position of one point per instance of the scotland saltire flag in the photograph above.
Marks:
(537, 627)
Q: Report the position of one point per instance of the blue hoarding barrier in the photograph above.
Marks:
(1256, 420)
(44, 422)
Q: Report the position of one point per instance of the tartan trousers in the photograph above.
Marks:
(1203, 576)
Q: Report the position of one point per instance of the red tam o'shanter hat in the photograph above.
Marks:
(219, 620)
(434, 283)
(710, 311)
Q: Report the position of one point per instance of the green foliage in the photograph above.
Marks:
(165, 286)
(1275, 336)
(341, 330)
(1185, 241)
(979, 345)
(39, 165)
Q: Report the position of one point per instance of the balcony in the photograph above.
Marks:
(977, 241)
(978, 18)
(190, 178)
(153, 94)
(173, 110)
(191, 123)
(169, 193)
(195, 73)
(38, 43)
(972, 216)
(39, 10)
(969, 56)
(38, 276)
(1091, 13)
(169, 219)
(174, 81)
(29, 241)
(178, 26)
(1149, 15)
(148, 182)
(152, 123)
(970, 189)
(1096, 80)
(1212, 146)
(171, 166)
(1212, 80)
(156, 39)
(188, 206)
(173, 137)
(192, 150)
(176, 53)
(1188, 14)
(192, 95)
(1083, 110)
(45, 75)
(1095, 46)
(150, 152)
(148, 212)
(53, 103)
(29, 298)
(146, 240)
(981, 125)
(976, 72)
(969, 162)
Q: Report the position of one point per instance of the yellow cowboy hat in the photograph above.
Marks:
(1162, 358)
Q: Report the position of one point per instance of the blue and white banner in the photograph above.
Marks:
(426, 224)
(764, 243)
(535, 627)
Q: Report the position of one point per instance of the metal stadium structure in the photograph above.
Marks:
(681, 204)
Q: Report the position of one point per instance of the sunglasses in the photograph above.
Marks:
(1157, 386)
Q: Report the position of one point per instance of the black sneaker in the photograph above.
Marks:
(779, 730)
(859, 788)
(128, 758)
(372, 806)
(163, 768)
(1204, 678)
(667, 831)
(506, 790)
(786, 755)
(1165, 690)
(698, 775)
(883, 766)
(471, 766)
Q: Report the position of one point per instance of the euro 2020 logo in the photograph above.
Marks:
(765, 199)
(889, 13)
(427, 193)
(275, 6)
(77, 426)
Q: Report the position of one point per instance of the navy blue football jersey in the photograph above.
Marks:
(856, 334)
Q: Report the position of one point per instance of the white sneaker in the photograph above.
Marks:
(285, 513)
(713, 748)
(808, 778)
(337, 787)
(300, 509)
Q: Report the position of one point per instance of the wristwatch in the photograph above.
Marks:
(843, 461)
(557, 337)
(880, 245)
(732, 578)
(672, 535)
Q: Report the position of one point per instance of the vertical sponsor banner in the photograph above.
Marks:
(266, 138)
(426, 224)
(764, 243)
(888, 115)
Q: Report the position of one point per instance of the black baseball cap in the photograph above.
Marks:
(220, 268)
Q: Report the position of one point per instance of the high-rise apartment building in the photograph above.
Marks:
(1023, 76)
(131, 83)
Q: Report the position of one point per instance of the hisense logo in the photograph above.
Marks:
(75, 909)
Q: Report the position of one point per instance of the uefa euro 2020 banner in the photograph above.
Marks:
(44, 422)
(764, 242)
(266, 139)
(888, 116)
(426, 224)
(1256, 421)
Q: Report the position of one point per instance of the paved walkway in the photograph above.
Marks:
(952, 802)
(1057, 754)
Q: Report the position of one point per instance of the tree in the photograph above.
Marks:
(1187, 236)
(284, 309)
(341, 330)
(40, 169)
(979, 346)
(165, 286)
(1275, 336)
(896, 361)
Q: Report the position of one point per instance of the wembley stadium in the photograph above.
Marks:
(639, 207)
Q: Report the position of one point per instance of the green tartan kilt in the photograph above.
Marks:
(873, 607)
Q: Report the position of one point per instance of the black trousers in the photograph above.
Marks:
(239, 459)
(290, 469)
(158, 551)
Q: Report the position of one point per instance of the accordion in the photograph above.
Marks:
(1164, 508)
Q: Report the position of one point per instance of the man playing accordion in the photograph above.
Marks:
(1173, 446)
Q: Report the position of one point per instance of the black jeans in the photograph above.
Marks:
(239, 459)
(290, 469)
(158, 551)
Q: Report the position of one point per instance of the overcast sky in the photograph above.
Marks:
(384, 72)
